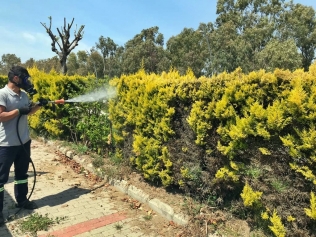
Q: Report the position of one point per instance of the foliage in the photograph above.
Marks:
(277, 227)
(236, 119)
(226, 174)
(208, 136)
(36, 222)
(7, 61)
(108, 50)
(311, 212)
(249, 196)
(53, 86)
(147, 48)
(144, 106)
(186, 52)
(279, 185)
(83, 123)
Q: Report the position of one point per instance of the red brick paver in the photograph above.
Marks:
(86, 226)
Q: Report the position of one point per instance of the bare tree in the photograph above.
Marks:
(64, 45)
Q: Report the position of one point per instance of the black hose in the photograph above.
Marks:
(11, 217)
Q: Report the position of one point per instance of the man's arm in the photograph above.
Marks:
(5, 116)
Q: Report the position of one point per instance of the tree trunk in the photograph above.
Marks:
(63, 63)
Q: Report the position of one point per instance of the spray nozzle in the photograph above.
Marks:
(61, 101)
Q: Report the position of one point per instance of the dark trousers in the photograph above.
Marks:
(20, 157)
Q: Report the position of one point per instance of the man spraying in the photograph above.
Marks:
(15, 145)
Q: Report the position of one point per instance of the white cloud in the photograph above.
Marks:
(29, 37)
(82, 46)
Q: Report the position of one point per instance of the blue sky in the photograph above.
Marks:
(22, 34)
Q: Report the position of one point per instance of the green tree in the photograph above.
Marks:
(95, 63)
(108, 50)
(49, 64)
(30, 63)
(246, 32)
(82, 60)
(72, 64)
(186, 51)
(279, 54)
(299, 23)
(116, 66)
(7, 61)
(146, 48)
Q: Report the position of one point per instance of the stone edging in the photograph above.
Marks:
(122, 185)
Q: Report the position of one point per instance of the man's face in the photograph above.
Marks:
(24, 79)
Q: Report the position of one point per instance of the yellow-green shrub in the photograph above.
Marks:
(249, 196)
(53, 86)
(277, 226)
(311, 212)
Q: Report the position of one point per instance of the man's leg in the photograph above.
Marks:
(21, 166)
(7, 155)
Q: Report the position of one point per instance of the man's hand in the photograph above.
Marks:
(42, 102)
(25, 110)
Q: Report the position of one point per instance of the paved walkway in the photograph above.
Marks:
(88, 209)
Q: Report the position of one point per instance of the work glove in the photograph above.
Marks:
(25, 110)
(42, 102)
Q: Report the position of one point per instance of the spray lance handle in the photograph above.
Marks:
(42, 102)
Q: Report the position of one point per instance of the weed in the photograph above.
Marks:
(191, 206)
(36, 222)
(211, 199)
(100, 172)
(148, 217)
(98, 162)
(253, 172)
(279, 185)
(118, 226)
(110, 171)
(79, 148)
(115, 158)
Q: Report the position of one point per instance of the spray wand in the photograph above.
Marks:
(61, 101)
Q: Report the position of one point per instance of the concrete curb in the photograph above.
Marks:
(122, 185)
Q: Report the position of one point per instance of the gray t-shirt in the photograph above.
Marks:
(8, 134)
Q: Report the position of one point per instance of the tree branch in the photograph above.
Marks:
(52, 36)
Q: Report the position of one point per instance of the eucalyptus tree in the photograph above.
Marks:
(117, 62)
(7, 61)
(48, 64)
(82, 60)
(186, 51)
(31, 62)
(107, 48)
(95, 63)
(64, 46)
(243, 30)
(299, 24)
(72, 64)
(145, 50)
(279, 54)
